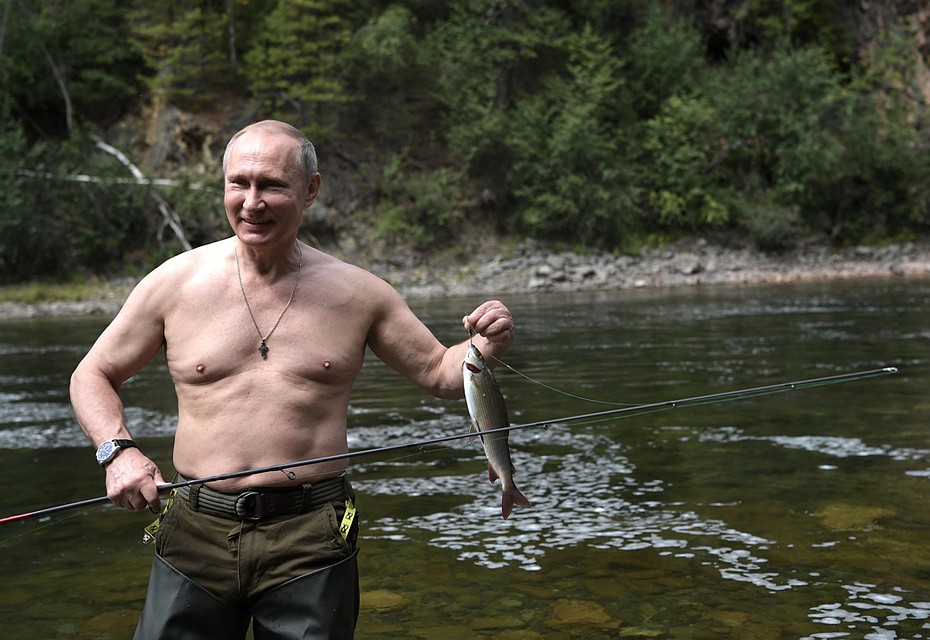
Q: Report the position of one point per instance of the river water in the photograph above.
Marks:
(798, 515)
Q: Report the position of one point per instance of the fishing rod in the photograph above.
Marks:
(628, 411)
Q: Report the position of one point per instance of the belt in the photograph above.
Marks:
(259, 504)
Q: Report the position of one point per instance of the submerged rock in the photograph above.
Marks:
(579, 613)
(846, 517)
(382, 599)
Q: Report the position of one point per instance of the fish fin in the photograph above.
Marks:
(520, 499)
(473, 431)
(510, 498)
(492, 474)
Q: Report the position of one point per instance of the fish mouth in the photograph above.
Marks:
(472, 368)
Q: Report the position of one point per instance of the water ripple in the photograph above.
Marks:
(836, 446)
(876, 613)
(578, 500)
(51, 425)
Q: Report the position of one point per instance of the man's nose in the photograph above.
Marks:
(254, 199)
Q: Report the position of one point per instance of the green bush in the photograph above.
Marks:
(682, 144)
(23, 223)
(422, 209)
(570, 177)
(772, 227)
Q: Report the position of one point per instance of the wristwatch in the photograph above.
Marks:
(108, 449)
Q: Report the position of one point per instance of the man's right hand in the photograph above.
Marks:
(132, 481)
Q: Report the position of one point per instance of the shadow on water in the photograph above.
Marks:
(799, 515)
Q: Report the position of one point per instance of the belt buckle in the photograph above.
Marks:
(247, 502)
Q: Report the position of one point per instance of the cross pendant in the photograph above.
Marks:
(263, 348)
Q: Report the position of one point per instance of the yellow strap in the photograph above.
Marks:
(347, 519)
(148, 537)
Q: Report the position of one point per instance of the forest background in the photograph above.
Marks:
(598, 125)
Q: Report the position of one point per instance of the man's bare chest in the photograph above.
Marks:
(310, 342)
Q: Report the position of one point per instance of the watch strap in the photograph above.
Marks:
(116, 445)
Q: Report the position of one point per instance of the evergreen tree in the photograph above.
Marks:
(294, 66)
(185, 48)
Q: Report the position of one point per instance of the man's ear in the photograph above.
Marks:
(313, 189)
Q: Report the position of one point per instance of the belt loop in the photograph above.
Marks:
(194, 498)
(306, 498)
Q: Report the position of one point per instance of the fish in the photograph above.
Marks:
(487, 411)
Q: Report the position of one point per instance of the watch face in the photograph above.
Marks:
(105, 451)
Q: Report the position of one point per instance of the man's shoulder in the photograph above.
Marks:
(331, 266)
(184, 264)
(179, 271)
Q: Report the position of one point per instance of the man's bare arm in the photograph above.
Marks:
(401, 340)
(131, 340)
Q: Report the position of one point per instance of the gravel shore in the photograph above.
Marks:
(526, 268)
(529, 268)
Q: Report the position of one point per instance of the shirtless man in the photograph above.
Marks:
(264, 337)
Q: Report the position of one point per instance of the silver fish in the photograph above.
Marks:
(487, 411)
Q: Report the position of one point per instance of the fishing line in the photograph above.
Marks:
(586, 418)
(44, 525)
(562, 391)
(471, 335)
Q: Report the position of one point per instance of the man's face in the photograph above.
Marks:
(265, 193)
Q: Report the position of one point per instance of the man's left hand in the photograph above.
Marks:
(493, 322)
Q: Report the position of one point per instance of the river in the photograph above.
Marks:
(796, 515)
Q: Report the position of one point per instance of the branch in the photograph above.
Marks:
(62, 86)
(170, 217)
(143, 182)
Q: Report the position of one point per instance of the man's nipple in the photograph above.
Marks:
(200, 368)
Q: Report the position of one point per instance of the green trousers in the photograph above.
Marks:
(291, 577)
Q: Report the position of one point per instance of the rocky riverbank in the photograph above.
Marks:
(530, 268)
(527, 268)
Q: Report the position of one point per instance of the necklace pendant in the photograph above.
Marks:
(263, 348)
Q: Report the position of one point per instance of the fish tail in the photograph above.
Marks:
(510, 498)
(520, 499)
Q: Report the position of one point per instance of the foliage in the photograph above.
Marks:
(568, 175)
(772, 226)
(36, 292)
(60, 56)
(664, 58)
(294, 65)
(683, 143)
(488, 56)
(802, 23)
(584, 122)
(417, 209)
(193, 49)
(383, 63)
(21, 225)
(184, 45)
(803, 136)
(39, 234)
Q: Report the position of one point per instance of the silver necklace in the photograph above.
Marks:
(263, 347)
